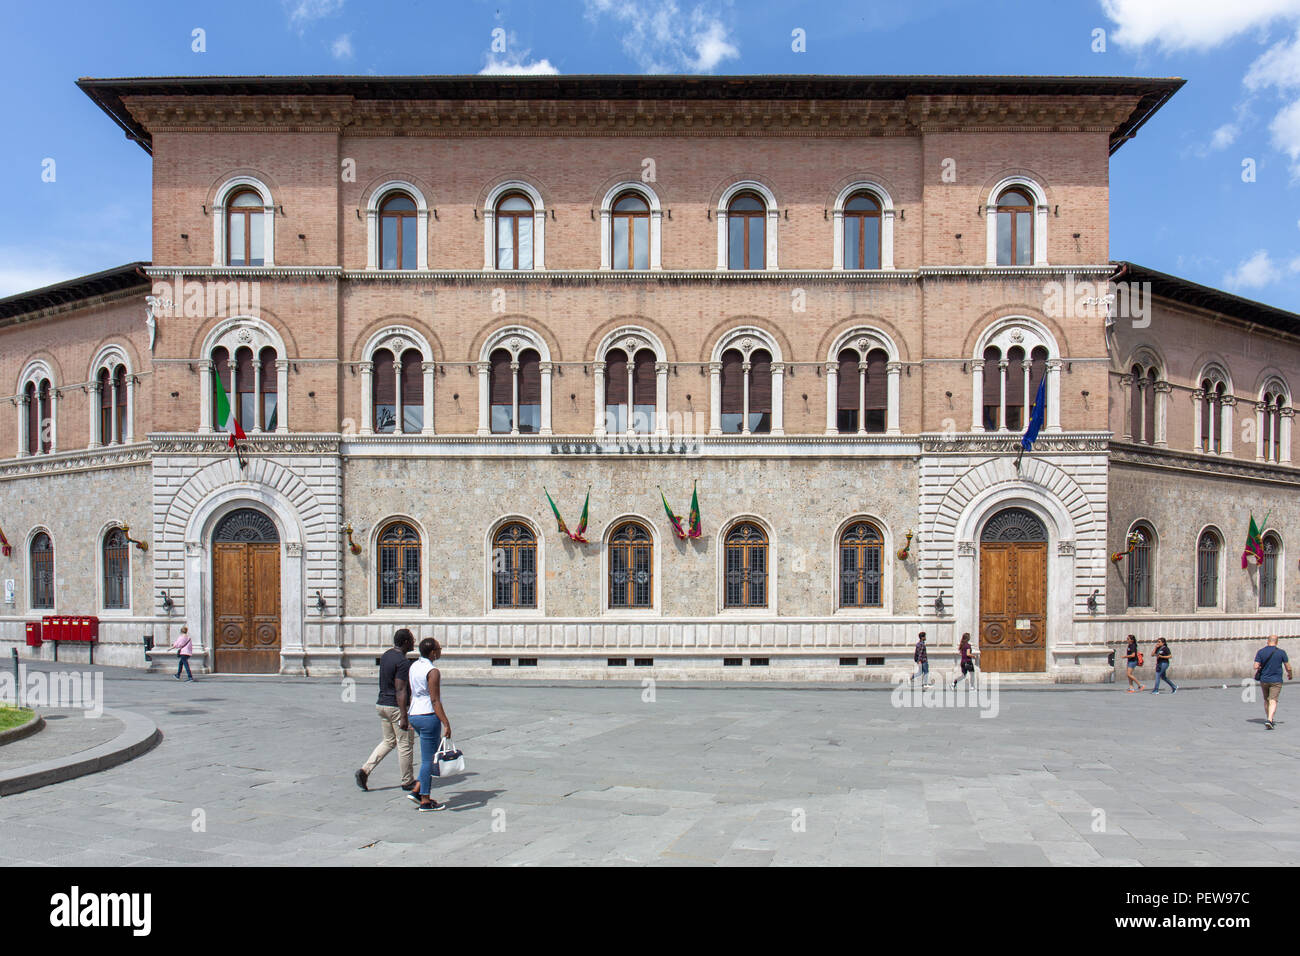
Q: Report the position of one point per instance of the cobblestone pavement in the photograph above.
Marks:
(701, 775)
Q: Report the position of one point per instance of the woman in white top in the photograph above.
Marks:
(428, 719)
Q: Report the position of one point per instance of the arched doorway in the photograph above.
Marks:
(1013, 593)
(246, 594)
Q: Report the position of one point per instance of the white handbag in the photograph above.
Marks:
(450, 761)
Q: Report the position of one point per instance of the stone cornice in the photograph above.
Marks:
(908, 116)
(621, 276)
(1202, 464)
(305, 443)
(66, 462)
(984, 443)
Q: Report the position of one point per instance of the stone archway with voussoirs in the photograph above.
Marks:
(186, 547)
(1075, 524)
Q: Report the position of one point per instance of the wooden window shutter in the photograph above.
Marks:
(530, 378)
(760, 381)
(412, 379)
(848, 384)
(733, 383)
(384, 385)
(502, 388)
(616, 377)
(877, 391)
(643, 378)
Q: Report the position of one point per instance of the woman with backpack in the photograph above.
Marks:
(1132, 661)
(1163, 657)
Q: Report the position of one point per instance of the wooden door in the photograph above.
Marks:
(1013, 594)
(246, 595)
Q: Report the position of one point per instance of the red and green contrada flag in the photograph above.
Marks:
(1254, 543)
(558, 520)
(675, 521)
(582, 522)
(695, 513)
(226, 420)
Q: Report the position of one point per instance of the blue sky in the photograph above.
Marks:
(1179, 201)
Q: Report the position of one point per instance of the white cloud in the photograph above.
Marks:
(1224, 136)
(517, 65)
(1202, 25)
(303, 13)
(660, 38)
(1254, 273)
(341, 48)
(1192, 24)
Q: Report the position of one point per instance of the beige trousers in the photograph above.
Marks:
(394, 736)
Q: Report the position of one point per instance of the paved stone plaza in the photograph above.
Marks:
(703, 775)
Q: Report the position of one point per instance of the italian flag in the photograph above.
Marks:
(226, 420)
(1254, 550)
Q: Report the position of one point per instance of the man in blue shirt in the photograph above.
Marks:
(922, 661)
(1269, 662)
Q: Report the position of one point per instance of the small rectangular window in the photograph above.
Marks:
(527, 662)
(498, 662)
(616, 662)
(848, 661)
(645, 662)
(732, 661)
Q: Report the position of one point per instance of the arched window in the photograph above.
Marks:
(746, 392)
(637, 379)
(245, 231)
(631, 566)
(862, 398)
(1208, 553)
(1141, 567)
(1268, 570)
(250, 385)
(384, 392)
(1142, 405)
(862, 242)
(514, 225)
(399, 566)
(246, 388)
(1015, 218)
(40, 422)
(1008, 381)
(221, 375)
(111, 387)
(745, 576)
(117, 570)
(630, 232)
(1213, 418)
(42, 572)
(516, 392)
(746, 232)
(514, 567)
(398, 236)
(268, 382)
(861, 566)
(1271, 447)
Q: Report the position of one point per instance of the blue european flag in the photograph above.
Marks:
(1035, 416)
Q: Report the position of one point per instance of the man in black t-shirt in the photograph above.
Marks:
(394, 699)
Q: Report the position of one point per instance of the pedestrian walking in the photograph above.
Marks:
(1269, 662)
(966, 659)
(1132, 660)
(428, 718)
(184, 649)
(922, 661)
(1163, 657)
(392, 705)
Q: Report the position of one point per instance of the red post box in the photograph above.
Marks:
(64, 628)
(47, 628)
(92, 628)
(77, 629)
(33, 633)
